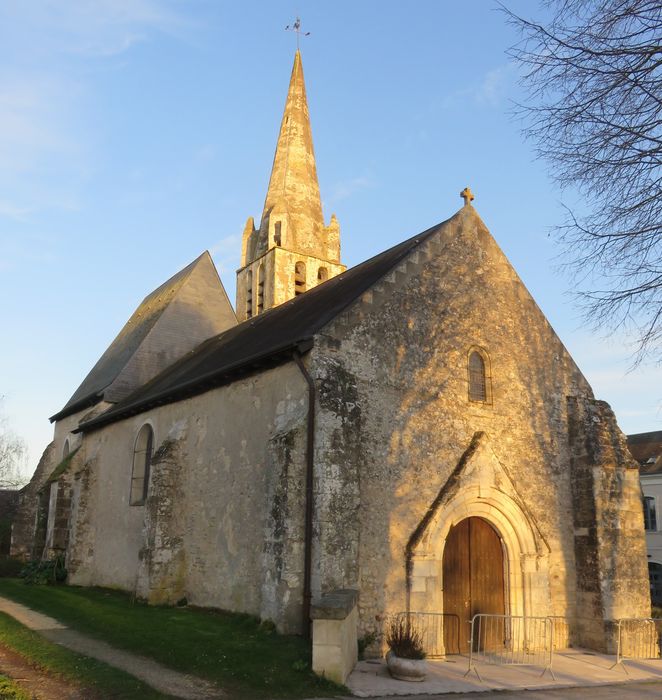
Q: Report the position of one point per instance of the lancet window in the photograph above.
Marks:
(142, 462)
(479, 377)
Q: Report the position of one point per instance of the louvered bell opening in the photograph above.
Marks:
(260, 297)
(249, 294)
(299, 279)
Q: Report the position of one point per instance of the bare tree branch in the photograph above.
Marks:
(593, 75)
(12, 451)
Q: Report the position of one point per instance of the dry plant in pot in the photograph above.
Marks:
(406, 657)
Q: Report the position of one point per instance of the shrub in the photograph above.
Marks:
(44, 571)
(10, 567)
(404, 640)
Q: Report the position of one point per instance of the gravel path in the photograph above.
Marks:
(159, 677)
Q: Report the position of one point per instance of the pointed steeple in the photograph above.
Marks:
(293, 183)
(291, 250)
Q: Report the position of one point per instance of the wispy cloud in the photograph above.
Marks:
(10, 210)
(46, 147)
(606, 364)
(489, 91)
(92, 27)
(347, 188)
(226, 253)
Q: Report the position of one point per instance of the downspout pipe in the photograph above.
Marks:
(308, 528)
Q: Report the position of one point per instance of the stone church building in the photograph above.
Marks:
(411, 428)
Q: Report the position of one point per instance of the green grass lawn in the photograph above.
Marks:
(229, 649)
(104, 680)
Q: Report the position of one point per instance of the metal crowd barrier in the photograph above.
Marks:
(431, 627)
(562, 634)
(511, 640)
(638, 638)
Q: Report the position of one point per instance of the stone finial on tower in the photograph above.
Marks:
(467, 196)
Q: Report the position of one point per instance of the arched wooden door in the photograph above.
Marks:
(472, 579)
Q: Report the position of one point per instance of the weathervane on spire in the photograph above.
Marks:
(296, 28)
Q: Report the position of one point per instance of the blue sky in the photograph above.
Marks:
(134, 134)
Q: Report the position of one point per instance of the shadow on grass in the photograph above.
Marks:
(234, 651)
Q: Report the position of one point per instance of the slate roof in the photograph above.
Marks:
(646, 448)
(125, 345)
(270, 337)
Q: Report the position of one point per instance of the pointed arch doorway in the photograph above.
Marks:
(473, 579)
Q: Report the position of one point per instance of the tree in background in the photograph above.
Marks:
(593, 73)
(12, 451)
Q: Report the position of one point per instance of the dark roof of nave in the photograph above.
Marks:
(646, 448)
(264, 340)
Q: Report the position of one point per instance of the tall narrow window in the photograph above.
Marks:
(142, 461)
(260, 288)
(299, 278)
(65, 449)
(249, 293)
(322, 275)
(278, 233)
(478, 381)
(655, 579)
(650, 516)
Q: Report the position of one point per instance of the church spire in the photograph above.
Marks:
(291, 250)
(293, 183)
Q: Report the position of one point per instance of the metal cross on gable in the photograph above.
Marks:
(296, 28)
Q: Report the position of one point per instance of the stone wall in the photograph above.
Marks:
(279, 277)
(395, 421)
(31, 527)
(222, 525)
(610, 546)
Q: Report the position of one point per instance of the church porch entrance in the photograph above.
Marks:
(473, 580)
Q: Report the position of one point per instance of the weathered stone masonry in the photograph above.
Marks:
(401, 452)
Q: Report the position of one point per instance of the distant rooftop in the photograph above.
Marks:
(646, 448)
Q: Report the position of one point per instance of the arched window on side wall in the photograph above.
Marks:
(65, 449)
(322, 275)
(260, 288)
(480, 389)
(299, 278)
(142, 462)
(249, 293)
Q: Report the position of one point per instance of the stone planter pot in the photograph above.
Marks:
(406, 669)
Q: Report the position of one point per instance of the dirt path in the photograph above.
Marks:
(159, 677)
(36, 683)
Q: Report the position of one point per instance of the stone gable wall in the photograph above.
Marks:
(394, 417)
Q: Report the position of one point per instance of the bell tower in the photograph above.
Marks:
(292, 250)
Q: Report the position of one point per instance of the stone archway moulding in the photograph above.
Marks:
(480, 486)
